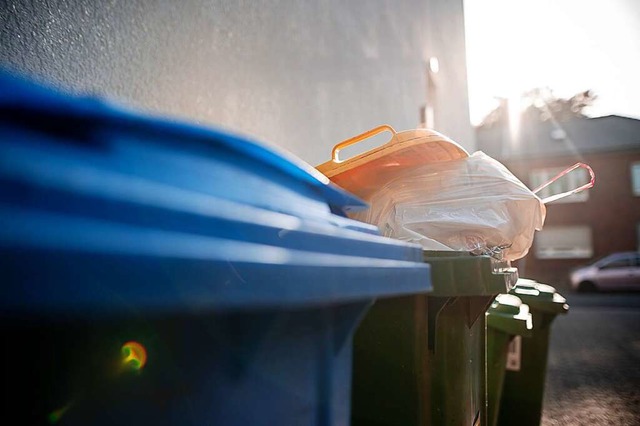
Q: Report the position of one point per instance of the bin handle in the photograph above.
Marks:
(351, 141)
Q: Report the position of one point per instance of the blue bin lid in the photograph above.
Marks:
(22, 99)
(109, 211)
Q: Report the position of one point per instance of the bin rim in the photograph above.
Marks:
(27, 99)
(540, 297)
(516, 319)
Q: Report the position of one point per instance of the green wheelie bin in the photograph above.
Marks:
(507, 318)
(523, 391)
(421, 359)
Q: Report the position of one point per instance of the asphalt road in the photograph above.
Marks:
(593, 375)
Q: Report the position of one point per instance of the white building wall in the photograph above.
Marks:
(303, 75)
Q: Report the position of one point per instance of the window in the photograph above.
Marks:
(618, 263)
(566, 183)
(635, 179)
(619, 260)
(564, 242)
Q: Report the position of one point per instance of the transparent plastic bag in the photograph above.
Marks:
(424, 188)
(473, 204)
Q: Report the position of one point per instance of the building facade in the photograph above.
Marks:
(587, 225)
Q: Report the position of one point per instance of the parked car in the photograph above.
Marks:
(617, 271)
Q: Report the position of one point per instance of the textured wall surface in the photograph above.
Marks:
(299, 74)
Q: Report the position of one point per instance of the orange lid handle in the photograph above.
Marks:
(336, 149)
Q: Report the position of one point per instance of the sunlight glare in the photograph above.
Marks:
(514, 111)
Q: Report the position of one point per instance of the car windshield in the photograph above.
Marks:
(617, 259)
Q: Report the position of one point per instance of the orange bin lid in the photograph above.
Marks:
(363, 174)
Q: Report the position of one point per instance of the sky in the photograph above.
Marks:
(566, 45)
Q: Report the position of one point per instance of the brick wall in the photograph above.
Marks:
(612, 211)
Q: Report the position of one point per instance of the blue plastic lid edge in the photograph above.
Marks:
(20, 94)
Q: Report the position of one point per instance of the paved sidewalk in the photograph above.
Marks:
(593, 376)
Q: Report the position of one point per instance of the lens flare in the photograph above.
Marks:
(134, 355)
(55, 416)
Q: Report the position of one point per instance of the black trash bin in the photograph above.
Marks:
(422, 359)
(507, 319)
(524, 382)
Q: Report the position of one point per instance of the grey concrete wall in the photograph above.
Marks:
(299, 74)
(446, 41)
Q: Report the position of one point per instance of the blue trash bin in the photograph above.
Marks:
(156, 272)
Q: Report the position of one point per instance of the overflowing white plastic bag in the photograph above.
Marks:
(424, 188)
(474, 204)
